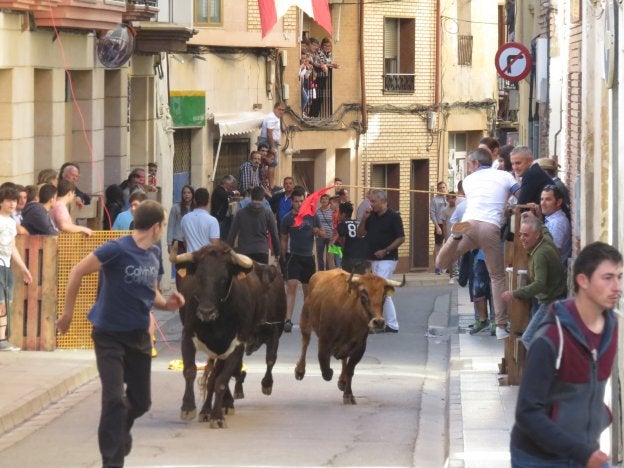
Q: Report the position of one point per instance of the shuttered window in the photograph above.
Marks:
(399, 54)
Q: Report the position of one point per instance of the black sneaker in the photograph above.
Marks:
(390, 330)
(288, 326)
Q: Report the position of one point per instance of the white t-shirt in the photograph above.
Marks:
(198, 229)
(8, 231)
(271, 122)
(487, 191)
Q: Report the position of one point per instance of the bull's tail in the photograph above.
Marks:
(202, 383)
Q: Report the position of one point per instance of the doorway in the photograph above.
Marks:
(420, 215)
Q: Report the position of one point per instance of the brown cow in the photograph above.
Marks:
(342, 310)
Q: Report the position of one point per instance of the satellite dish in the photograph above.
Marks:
(116, 47)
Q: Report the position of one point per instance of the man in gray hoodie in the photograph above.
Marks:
(252, 226)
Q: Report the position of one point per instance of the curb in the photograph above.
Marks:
(431, 446)
(35, 403)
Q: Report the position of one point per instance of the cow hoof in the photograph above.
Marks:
(239, 395)
(342, 385)
(218, 424)
(348, 400)
(230, 411)
(269, 390)
(188, 415)
(327, 375)
(203, 417)
(299, 374)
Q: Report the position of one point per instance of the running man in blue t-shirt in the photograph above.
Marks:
(128, 269)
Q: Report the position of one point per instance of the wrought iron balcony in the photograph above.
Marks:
(140, 10)
(399, 82)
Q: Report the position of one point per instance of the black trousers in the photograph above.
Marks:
(122, 358)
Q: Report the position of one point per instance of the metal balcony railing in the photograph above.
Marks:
(149, 3)
(322, 105)
(399, 82)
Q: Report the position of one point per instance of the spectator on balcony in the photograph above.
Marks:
(71, 172)
(323, 61)
(271, 134)
(305, 76)
(249, 172)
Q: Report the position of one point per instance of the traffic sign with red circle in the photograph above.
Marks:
(513, 61)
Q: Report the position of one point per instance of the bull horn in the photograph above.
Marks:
(352, 278)
(185, 257)
(396, 284)
(241, 260)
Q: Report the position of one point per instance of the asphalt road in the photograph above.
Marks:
(303, 423)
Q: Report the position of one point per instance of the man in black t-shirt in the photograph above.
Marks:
(299, 243)
(383, 229)
(354, 248)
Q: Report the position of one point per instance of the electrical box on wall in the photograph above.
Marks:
(283, 57)
(285, 92)
(432, 121)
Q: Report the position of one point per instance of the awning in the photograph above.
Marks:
(238, 123)
(235, 124)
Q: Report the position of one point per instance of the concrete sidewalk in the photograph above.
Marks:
(481, 412)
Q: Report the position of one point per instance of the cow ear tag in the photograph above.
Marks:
(182, 272)
(241, 275)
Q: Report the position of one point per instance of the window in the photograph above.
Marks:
(386, 176)
(209, 12)
(233, 153)
(464, 50)
(399, 40)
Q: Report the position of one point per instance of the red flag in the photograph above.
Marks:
(271, 10)
(308, 207)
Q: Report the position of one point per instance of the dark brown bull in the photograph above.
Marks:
(231, 304)
(342, 310)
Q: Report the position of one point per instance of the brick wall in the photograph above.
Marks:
(253, 18)
(572, 149)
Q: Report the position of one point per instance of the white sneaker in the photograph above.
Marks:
(501, 333)
(451, 281)
(6, 346)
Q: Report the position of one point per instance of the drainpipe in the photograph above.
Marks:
(364, 128)
(436, 100)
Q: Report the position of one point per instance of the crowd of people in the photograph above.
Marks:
(571, 342)
(314, 72)
(259, 221)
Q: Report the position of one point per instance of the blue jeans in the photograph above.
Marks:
(520, 459)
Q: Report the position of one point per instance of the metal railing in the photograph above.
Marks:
(322, 105)
(149, 3)
(399, 82)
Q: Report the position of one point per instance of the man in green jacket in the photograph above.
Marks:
(546, 275)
